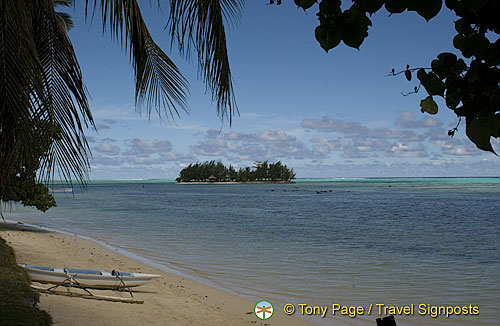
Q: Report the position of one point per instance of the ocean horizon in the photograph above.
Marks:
(354, 241)
(303, 179)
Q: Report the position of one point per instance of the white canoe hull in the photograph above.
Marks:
(87, 278)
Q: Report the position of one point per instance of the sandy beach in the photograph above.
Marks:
(170, 300)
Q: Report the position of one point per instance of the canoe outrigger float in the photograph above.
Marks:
(85, 279)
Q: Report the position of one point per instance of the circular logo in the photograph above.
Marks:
(263, 309)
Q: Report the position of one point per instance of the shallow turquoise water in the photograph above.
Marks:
(356, 242)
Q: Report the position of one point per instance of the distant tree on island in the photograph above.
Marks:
(211, 170)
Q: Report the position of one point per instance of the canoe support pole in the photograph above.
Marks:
(69, 282)
(119, 276)
(87, 296)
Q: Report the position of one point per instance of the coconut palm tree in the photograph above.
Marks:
(43, 101)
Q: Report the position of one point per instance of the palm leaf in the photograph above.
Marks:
(43, 103)
(159, 84)
(199, 24)
(67, 110)
(65, 20)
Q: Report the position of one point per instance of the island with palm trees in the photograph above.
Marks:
(216, 172)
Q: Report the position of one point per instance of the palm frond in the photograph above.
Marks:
(19, 68)
(159, 84)
(68, 110)
(43, 103)
(65, 20)
(199, 24)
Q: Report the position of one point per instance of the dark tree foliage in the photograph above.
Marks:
(211, 169)
(469, 84)
(23, 185)
(25, 189)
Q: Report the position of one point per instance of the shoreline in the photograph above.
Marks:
(173, 299)
(130, 253)
(233, 182)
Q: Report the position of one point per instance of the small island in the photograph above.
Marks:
(216, 172)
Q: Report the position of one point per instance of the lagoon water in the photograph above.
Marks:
(356, 242)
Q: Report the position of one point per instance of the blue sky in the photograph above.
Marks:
(330, 114)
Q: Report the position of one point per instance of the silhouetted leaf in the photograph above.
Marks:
(472, 5)
(396, 6)
(330, 8)
(460, 66)
(445, 65)
(421, 74)
(478, 131)
(447, 57)
(371, 6)
(408, 74)
(305, 4)
(452, 4)
(428, 105)
(459, 41)
(453, 97)
(426, 8)
(495, 126)
(476, 45)
(463, 26)
(432, 84)
(354, 28)
(327, 37)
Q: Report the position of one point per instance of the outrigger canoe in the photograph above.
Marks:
(96, 279)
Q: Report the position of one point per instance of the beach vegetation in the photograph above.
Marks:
(23, 184)
(17, 299)
(469, 82)
(216, 171)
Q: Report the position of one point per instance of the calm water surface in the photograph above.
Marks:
(357, 242)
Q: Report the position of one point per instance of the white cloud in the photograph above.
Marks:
(146, 147)
(407, 120)
(352, 129)
(106, 148)
(265, 145)
(274, 135)
(457, 147)
(144, 152)
(212, 133)
(334, 125)
(403, 150)
(210, 147)
(325, 145)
